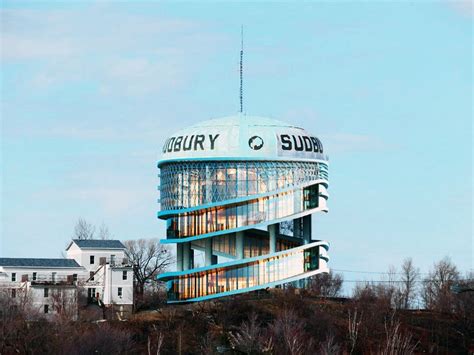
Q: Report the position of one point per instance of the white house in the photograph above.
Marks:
(45, 286)
(96, 268)
(110, 274)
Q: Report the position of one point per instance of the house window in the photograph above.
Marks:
(46, 292)
(91, 259)
(46, 308)
(74, 277)
(124, 275)
(91, 275)
(53, 277)
(112, 259)
(13, 276)
(34, 276)
(13, 293)
(91, 293)
(119, 291)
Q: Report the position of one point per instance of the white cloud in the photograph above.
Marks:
(139, 76)
(128, 54)
(463, 7)
(107, 190)
(23, 47)
(335, 141)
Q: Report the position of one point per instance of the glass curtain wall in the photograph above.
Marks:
(245, 214)
(256, 273)
(253, 245)
(191, 184)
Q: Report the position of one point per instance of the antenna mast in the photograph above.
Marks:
(241, 68)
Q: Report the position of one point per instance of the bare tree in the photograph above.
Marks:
(392, 289)
(149, 258)
(383, 294)
(329, 346)
(155, 347)
(327, 285)
(16, 315)
(207, 344)
(436, 287)
(249, 338)
(104, 232)
(103, 338)
(83, 230)
(65, 302)
(409, 278)
(391, 276)
(289, 334)
(396, 341)
(353, 329)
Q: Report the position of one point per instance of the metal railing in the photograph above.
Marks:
(115, 261)
(56, 279)
(45, 279)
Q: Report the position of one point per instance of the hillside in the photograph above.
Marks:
(281, 322)
(289, 323)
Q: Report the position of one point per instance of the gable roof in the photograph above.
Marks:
(38, 262)
(97, 244)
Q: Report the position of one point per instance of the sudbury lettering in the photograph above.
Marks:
(193, 142)
(301, 143)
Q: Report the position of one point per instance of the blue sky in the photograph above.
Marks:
(91, 90)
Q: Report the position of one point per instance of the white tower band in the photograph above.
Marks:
(241, 189)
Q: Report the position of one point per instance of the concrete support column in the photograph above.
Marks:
(191, 258)
(273, 231)
(187, 257)
(239, 245)
(307, 229)
(297, 228)
(179, 257)
(208, 259)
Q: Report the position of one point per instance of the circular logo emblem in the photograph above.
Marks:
(256, 142)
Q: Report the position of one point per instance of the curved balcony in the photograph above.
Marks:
(247, 275)
(258, 212)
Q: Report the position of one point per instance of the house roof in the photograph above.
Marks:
(38, 262)
(97, 244)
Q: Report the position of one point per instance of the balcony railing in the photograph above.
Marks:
(45, 279)
(56, 280)
(117, 262)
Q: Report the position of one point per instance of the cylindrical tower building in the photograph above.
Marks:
(241, 188)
